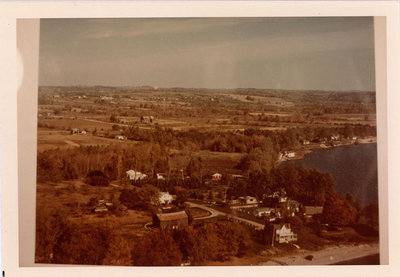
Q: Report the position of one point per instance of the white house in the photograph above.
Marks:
(247, 200)
(286, 154)
(279, 233)
(135, 175)
(160, 177)
(165, 198)
(120, 137)
(263, 212)
(284, 234)
(290, 154)
(217, 176)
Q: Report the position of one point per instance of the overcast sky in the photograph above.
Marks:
(286, 53)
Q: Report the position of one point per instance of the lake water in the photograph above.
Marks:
(353, 167)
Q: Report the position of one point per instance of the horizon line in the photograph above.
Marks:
(208, 88)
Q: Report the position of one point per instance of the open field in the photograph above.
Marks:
(52, 139)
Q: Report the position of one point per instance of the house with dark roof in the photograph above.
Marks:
(171, 221)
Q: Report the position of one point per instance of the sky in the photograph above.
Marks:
(314, 53)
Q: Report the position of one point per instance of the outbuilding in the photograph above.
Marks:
(171, 221)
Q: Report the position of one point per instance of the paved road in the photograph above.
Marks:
(256, 225)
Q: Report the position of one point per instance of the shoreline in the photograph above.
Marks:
(328, 256)
(306, 149)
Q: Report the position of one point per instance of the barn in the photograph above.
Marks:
(171, 221)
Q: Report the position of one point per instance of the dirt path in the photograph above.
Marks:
(71, 143)
(114, 123)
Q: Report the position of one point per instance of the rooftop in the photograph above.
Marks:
(172, 216)
(313, 210)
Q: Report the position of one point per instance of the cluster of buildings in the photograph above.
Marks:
(76, 131)
(148, 119)
(272, 210)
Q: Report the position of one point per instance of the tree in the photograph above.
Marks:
(336, 211)
(118, 251)
(84, 246)
(371, 214)
(213, 241)
(52, 228)
(181, 195)
(113, 118)
(145, 198)
(194, 169)
(157, 249)
(97, 178)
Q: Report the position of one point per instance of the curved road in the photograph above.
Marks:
(215, 213)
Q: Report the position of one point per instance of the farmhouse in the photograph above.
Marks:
(216, 176)
(165, 198)
(248, 200)
(135, 175)
(263, 212)
(177, 220)
(279, 233)
(290, 154)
